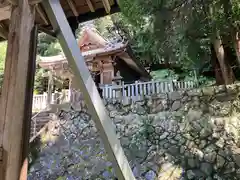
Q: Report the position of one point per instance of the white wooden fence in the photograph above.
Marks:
(145, 88)
(40, 101)
(114, 91)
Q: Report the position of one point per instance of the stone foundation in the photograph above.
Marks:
(180, 135)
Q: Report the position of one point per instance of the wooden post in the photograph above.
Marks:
(50, 88)
(171, 86)
(136, 88)
(70, 90)
(28, 102)
(153, 87)
(123, 90)
(15, 102)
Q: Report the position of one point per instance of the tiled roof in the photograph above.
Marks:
(108, 48)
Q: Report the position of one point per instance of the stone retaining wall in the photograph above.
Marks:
(180, 135)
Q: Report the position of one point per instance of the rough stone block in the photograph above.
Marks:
(220, 89)
(175, 95)
(194, 92)
(206, 168)
(176, 105)
(126, 101)
(208, 91)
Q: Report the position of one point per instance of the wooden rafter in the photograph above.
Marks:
(90, 5)
(42, 14)
(15, 2)
(73, 7)
(2, 3)
(106, 5)
(5, 10)
(47, 31)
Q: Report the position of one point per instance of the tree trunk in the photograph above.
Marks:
(232, 30)
(226, 70)
(229, 58)
(216, 66)
(236, 41)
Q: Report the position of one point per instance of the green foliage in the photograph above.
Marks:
(164, 75)
(3, 48)
(177, 31)
(78, 30)
(39, 82)
(47, 45)
(34, 149)
(61, 178)
(143, 134)
(104, 26)
(201, 80)
(164, 27)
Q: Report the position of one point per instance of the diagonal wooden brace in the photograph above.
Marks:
(95, 104)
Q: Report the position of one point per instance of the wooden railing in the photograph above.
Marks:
(40, 101)
(114, 91)
(144, 88)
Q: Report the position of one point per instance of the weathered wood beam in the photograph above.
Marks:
(97, 14)
(90, 5)
(73, 7)
(15, 2)
(5, 7)
(4, 3)
(5, 11)
(42, 14)
(28, 101)
(15, 91)
(107, 6)
(49, 32)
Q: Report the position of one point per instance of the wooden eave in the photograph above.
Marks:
(131, 60)
(77, 11)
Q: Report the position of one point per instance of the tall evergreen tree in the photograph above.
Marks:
(185, 31)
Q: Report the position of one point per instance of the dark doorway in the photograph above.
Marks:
(97, 80)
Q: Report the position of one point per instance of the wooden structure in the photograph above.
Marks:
(53, 17)
(77, 11)
(104, 59)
